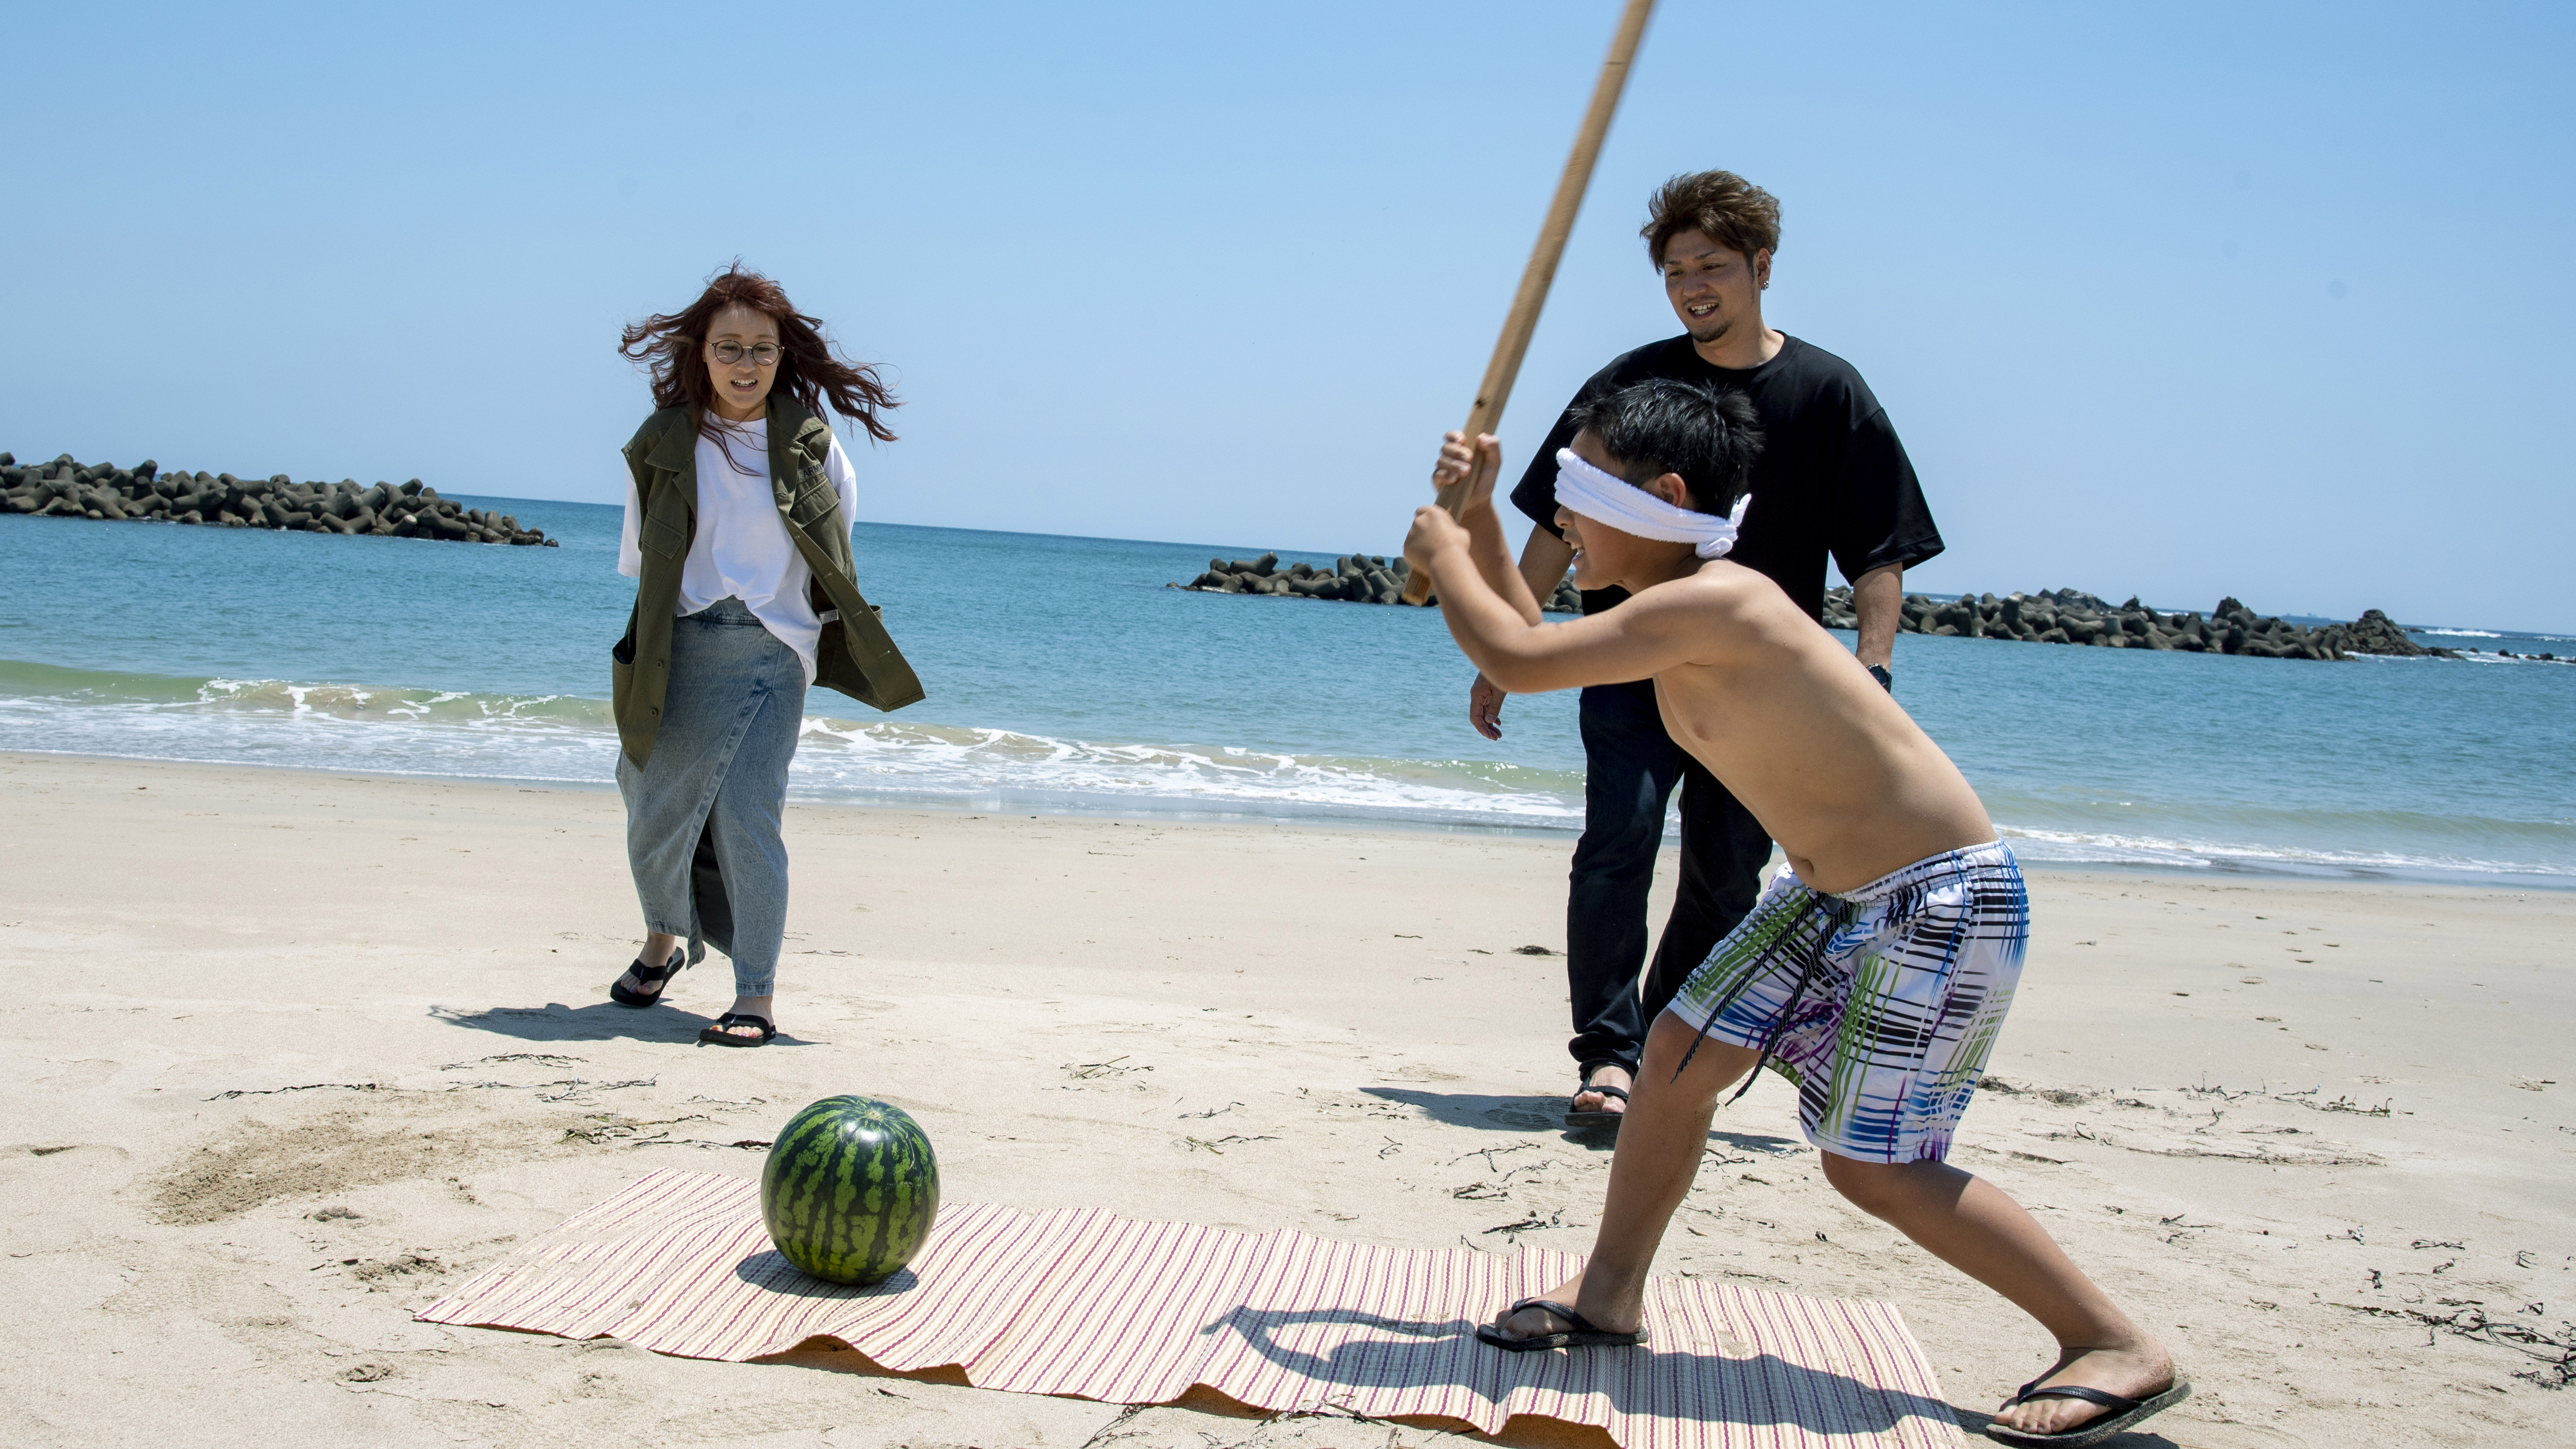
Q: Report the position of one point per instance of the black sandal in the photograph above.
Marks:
(2118, 1417)
(1603, 1117)
(1586, 1334)
(656, 978)
(716, 1035)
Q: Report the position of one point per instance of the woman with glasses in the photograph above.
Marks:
(738, 538)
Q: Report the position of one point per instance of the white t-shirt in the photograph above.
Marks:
(742, 550)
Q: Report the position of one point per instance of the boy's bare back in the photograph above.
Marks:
(1779, 711)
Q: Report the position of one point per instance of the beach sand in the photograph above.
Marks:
(291, 1053)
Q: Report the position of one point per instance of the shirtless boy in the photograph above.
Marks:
(1874, 971)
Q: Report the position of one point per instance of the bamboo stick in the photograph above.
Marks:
(1496, 390)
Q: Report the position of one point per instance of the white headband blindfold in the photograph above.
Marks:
(1631, 509)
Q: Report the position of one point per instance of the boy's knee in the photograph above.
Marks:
(1876, 1188)
(1714, 1065)
(1887, 1189)
(1667, 1040)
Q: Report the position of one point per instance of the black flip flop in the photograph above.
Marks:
(1585, 1335)
(1602, 1118)
(716, 1035)
(656, 977)
(2122, 1414)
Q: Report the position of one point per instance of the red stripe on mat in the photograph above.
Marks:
(1082, 1303)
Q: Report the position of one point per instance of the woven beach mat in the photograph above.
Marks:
(1083, 1303)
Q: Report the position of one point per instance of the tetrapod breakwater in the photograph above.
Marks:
(2050, 616)
(2071, 616)
(1355, 578)
(68, 488)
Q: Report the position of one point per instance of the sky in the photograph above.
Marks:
(2177, 301)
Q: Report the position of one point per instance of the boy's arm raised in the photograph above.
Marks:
(1481, 464)
(1521, 655)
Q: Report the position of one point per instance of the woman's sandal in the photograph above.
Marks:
(716, 1035)
(655, 977)
(1586, 1334)
(2120, 1414)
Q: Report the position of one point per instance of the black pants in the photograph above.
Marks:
(1630, 768)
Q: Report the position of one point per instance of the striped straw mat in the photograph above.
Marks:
(1083, 1303)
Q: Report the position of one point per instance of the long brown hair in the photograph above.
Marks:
(809, 368)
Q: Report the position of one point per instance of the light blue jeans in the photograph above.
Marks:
(703, 817)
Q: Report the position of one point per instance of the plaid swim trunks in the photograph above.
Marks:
(1881, 1004)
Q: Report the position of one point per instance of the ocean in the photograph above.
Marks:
(1063, 676)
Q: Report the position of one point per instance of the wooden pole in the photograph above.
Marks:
(1505, 367)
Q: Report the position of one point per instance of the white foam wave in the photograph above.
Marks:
(2477, 657)
(2466, 656)
(568, 740)
(2106, 848)
(939, 762)
(571, 741)
(420, 706)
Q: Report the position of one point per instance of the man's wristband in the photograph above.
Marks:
(1885, 680)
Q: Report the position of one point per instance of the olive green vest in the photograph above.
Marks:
(854, 656)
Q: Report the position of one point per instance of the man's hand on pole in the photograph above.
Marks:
(1485, 708)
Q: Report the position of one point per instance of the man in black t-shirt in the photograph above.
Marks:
(1831, 479)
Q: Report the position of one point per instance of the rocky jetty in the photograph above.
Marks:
(2374, 633)
(67, 488)
(2051, 616)
(2070, 616)
(1355, 578)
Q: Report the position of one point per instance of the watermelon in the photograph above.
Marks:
(850, 1189)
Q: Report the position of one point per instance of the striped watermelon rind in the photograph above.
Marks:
(850, 1189)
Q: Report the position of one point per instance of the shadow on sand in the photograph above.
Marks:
(598, 1021)
(1758, 1391)
(1761, 1391)
(1547, 1114)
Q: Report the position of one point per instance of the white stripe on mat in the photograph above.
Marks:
(1083, 1303)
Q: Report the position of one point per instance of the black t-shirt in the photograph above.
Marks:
(1831, 476)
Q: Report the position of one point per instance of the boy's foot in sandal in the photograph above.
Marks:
(1603, 1084)
(2092, 1395)
(1538, 1327)
(738, 1028)
(643, 985)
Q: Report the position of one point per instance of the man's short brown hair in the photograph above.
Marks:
(1733, 212)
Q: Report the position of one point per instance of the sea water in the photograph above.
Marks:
(1062, 675)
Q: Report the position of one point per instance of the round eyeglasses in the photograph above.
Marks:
(733, 353)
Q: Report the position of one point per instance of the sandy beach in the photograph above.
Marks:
(292, 1052)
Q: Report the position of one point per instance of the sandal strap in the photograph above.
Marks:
(649, 981)
(1581, 1323)
(2108, 1400)
(648, 975)
(1585, 1083)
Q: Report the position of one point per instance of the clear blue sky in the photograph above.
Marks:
(2175, 301)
